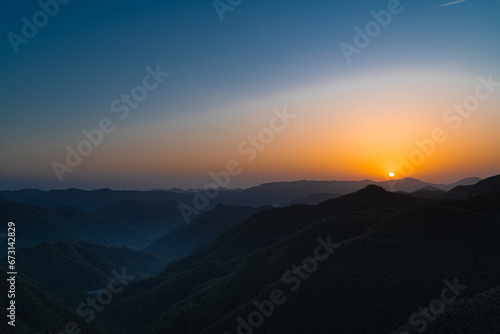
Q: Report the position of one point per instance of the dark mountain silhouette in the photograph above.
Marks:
(38, 224)
(386, 255)
(313, 199)
(121, 226)
(85, 266)
(225, 253)
(406, 247)
(490, 185)
(200, 231)
(464, 182)
(89, 200)
(409, 184)
(150, 219)
(429, 192)
(276, 193)
(37, 311)
(475, 314)
(175, 190)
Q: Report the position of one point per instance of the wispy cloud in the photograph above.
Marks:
(451, 3)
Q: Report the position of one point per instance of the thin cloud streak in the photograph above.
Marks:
(451, 3)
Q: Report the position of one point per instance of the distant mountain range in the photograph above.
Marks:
(276, 194)
(135, 224)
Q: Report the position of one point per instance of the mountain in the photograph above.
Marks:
(123, 224)
(490, 185)
(228, 251)
(77, 267)
(407, 257)
(39, 312)
(464, 182)
(429, 192)
(89, 201)
(104, 229)
(37, 224)
(149, 219)
(200, 231)
(474, 314)
(313, 199)
(408, 185)
(407, 247)
(276, 193)
(175, 190)
(331, 267)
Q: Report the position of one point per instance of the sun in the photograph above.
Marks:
(391, 174)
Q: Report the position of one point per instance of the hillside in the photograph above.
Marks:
(39, 312)
(490, 185)
(275, 193)
(476, 314)
(127, 224)
(88, 201)
(406, 256)
(149, 219)
(38, 224)
(313, 199)
(264, 229)
(406, 246)
(429, 192)
(200, 231)
(77, 267)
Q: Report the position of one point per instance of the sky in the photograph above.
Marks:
(171, 91)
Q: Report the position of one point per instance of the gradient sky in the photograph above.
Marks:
(353, 120)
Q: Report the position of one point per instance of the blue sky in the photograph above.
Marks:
(91, 52)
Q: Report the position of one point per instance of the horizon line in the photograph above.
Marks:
(245, 188)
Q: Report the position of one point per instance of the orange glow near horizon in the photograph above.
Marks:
(366, 140)
(342, 131)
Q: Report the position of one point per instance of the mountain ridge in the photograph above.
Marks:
(273, 193)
